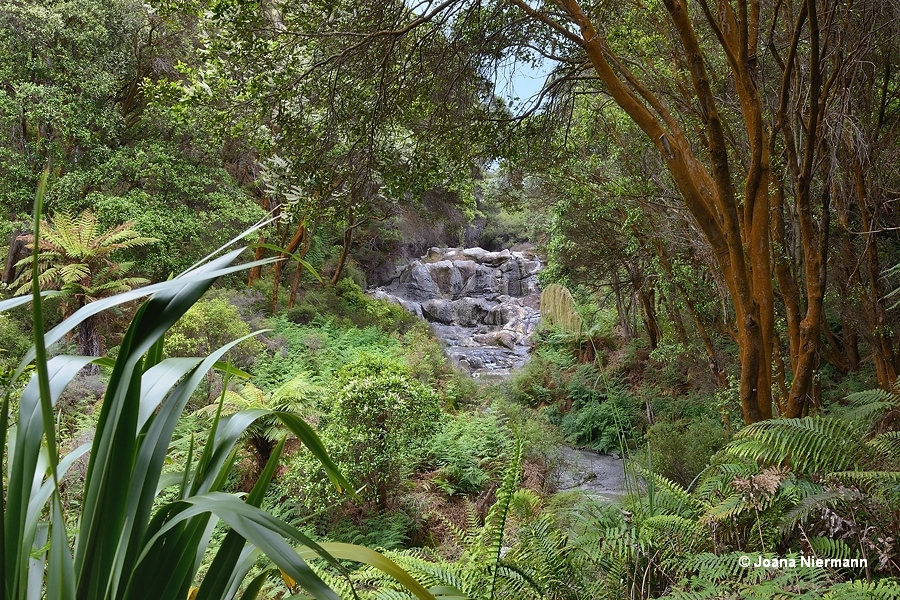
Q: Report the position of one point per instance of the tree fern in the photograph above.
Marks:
(75, 257)
(296, 396)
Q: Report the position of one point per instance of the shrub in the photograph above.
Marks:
(681, 450)
(320, 348)
(208, 325)
(14, 342)
(599, 421)
(302, 314)
(347, 304)
(388, 531)
(379, 423)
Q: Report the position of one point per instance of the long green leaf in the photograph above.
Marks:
(155, 441)
(104, 514)
(296, 257)
(23, 472)
(263, 531)
(364, 555)
(219, 577)
(21, 300)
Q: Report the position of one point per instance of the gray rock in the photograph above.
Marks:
(416, 283)
(438, 310)
(484, 305)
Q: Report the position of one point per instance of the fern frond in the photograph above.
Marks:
(883, 589)
(823, 547)
(880, 485)
(808, 506)
(668, 495)
(810, 444)
(884, 479)
(887, 444)
(728, 509)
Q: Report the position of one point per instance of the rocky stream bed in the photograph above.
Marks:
(485, 306)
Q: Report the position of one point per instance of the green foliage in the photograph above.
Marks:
(209, 324)
(179, 198)
(387, 531)
(600, 421)
(298, 396)
(376, 427)
(811, 444)
(14, 342)
(76, 75)
(346, 303)
(467, 450)
(63, 64)
(352, 139)
(681, 450)
(504, 228)
(545, 377)
(75, 258)
(320, 348)
(519, 552)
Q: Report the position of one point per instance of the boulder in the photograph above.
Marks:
(469, 312)
(446, 277)
(438, 309)
(416, 283)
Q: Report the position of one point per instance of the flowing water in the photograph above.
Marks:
(485, 306)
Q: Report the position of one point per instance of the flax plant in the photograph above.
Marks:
(128, 543)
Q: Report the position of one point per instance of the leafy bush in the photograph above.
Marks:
(428, 363)
(348, 305)
(210, 324)
(600, 421)
(320, 348)
(544, 378)
(14, 342)
(377, 428)
(467, 451)
(681, 450)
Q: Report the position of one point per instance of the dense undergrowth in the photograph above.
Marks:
(455, 481)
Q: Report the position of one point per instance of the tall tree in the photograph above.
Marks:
(365, 122)
(735, 97)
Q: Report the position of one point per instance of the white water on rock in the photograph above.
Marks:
(483, 305)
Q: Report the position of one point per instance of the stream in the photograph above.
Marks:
(485, 306)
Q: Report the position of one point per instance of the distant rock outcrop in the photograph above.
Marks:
(483, 304)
